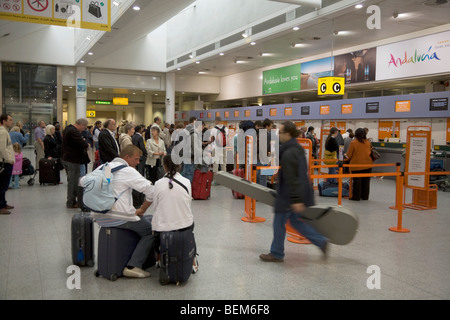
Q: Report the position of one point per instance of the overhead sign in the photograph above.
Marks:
(120, 101)
(87, 14)
(90, 114)
(331, 86)
(103, 102)
(286, 79)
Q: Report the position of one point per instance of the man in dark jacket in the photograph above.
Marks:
(109, 148)
(73, 155)
(294, 195)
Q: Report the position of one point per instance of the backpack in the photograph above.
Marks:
(97, 194)
(222, 141)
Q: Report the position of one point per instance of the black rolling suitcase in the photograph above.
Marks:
(82, 240)
(115, 248)
(177, 254)
(48, 171)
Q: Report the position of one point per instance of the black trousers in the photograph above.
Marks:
(361, 186)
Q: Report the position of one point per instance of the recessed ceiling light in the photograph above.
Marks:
(359, 6)
(197, 62)
(90, 53)
(81, 61)
(252, 43)
(136, 8)
(178, 69)
(221, 54)
(296, 28)
(244, 35)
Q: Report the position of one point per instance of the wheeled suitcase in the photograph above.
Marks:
(238, 173)
(177, 254)
(115, 248)
(49, 171)
(82, 240)
(201, 185)
(327, 189)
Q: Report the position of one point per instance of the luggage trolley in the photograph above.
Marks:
(437, 163)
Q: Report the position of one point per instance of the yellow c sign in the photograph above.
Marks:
(331, 85)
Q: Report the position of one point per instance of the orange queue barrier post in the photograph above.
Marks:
(399, 198)
(250, 175)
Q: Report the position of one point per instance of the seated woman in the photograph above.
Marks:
(172, 200)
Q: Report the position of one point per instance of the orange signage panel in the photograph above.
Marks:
(247, 113)
(448, 130)
(403, 106)
(273, 112)
(236, 113)
(347, 109)
(385, 129)
(288, 111)
(324, 110)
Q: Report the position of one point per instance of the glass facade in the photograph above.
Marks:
(29, 94)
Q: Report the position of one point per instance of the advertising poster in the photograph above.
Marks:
(313, 70)
(416, 57)
(286, 79)
(87, 14)
(358, 66)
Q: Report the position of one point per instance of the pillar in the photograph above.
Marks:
(148, 109)
(81, 73)
(170, 98)
(59, 96)
(71, 108)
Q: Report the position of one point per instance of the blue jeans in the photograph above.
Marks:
(332, 171)
(144, 229)
(188, 171)
(279, 232)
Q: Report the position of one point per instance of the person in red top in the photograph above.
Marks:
(359, 153)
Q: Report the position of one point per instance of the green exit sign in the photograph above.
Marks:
(102, 102)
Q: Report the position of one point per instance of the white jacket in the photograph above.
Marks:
(6, 148)
(172, 206)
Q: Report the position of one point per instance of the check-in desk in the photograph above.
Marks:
(395, 153)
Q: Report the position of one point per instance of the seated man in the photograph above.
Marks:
(124, 181)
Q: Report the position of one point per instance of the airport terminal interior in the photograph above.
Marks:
(374, 64)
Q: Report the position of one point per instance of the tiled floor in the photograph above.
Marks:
(35, 253)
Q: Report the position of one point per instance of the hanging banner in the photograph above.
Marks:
(86, 14)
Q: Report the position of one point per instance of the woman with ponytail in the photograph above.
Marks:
(172, 200)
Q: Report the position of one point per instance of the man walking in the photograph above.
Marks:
(294, 195)
(6, 161)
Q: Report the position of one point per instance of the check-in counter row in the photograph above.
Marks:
(395, 153)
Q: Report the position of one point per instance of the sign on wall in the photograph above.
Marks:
(415, 57)
(85, 14)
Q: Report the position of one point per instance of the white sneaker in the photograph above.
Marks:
(195, 266)
(135, 273)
